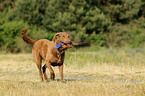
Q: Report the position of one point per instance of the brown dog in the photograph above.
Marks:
(44, 49)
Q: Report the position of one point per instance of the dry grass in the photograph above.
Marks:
(100, 73)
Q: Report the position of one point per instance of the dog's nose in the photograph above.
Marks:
(69, 41)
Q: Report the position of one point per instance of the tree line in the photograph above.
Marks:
(105, 23)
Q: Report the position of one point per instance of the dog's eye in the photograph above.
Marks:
(63, 36)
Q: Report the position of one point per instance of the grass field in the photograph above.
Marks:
(88, 72)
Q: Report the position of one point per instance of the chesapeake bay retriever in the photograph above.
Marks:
(44, 49)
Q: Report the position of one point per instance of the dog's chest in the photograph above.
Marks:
(56, 64)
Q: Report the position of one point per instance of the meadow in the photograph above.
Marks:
(88, 72)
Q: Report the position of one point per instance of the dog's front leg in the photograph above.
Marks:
(61, 73)
(52, 75)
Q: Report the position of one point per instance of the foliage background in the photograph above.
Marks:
(105, 23)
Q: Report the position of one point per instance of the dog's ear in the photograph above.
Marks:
(55, 36)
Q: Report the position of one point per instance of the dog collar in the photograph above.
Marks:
(59, 45)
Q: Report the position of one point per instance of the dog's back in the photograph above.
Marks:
(43, 47)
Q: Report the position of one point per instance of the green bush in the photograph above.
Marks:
(98, 39)
(123, 11)
(118, 36)
(10, 34)
(6, 4)
(137, 37)
(31, 11)
(129, 36)
(76, 16)
(110, 23)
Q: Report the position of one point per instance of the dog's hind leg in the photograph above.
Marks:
(44, 73)
(39, 68)
(38, 60)
(38, 63)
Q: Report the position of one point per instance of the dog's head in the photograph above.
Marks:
(62, 37)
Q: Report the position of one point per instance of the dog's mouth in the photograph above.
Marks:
(66, 45)
(68, 42)
(70, 45)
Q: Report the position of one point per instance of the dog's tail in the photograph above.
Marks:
(26, 38)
